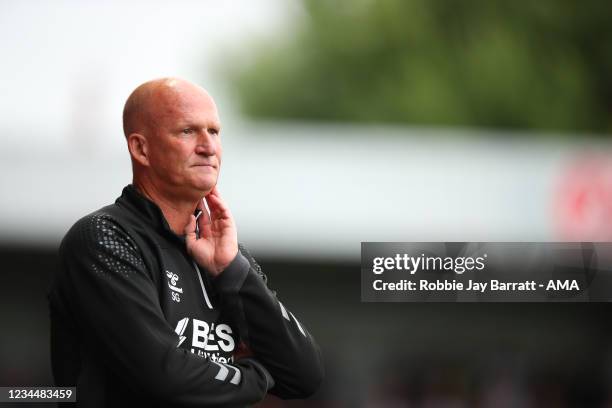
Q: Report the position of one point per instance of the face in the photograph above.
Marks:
(184, 145)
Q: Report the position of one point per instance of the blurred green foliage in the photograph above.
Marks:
(544, 65)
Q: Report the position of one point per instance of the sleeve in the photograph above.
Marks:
(269, 329)
(116, 305)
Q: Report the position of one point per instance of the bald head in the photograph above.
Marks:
(173, 131)
(153, 99)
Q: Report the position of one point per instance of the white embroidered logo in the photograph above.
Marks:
(172, 281)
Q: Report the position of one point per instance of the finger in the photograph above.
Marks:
(215, 191)
(218, 208)
(216, 194)
(216, 199)
(242, 351)
(204, 214)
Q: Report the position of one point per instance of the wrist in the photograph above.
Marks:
(233, 275)
(220, 267)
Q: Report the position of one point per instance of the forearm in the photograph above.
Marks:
(271, 331)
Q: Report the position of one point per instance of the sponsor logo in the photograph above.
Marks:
(207, 339)
(180, 329)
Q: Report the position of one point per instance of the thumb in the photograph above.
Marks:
(190, 231)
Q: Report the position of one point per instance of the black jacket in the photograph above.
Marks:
(134, 320)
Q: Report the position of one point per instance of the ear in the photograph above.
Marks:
(138, 147)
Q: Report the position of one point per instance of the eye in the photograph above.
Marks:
(214, 131)
(187, 131)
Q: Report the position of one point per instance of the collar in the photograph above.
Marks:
(146, 210)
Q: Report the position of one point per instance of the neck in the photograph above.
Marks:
(177, 211)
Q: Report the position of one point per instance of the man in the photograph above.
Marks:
(155, 302)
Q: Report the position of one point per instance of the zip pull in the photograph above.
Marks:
(197, 230)
(202, 284)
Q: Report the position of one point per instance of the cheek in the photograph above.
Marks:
(170, 159)
(219, 152)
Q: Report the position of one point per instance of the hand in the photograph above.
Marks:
(242, 351)
(218, 243)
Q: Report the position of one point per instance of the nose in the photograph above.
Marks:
(207, 145)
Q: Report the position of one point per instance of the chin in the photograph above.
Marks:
(206, 187)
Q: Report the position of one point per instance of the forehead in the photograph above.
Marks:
(185, 104)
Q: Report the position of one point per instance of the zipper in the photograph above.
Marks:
(197, 215)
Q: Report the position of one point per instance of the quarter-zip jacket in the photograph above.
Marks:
(135, 321)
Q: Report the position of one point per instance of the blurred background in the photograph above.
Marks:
(344, 121)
